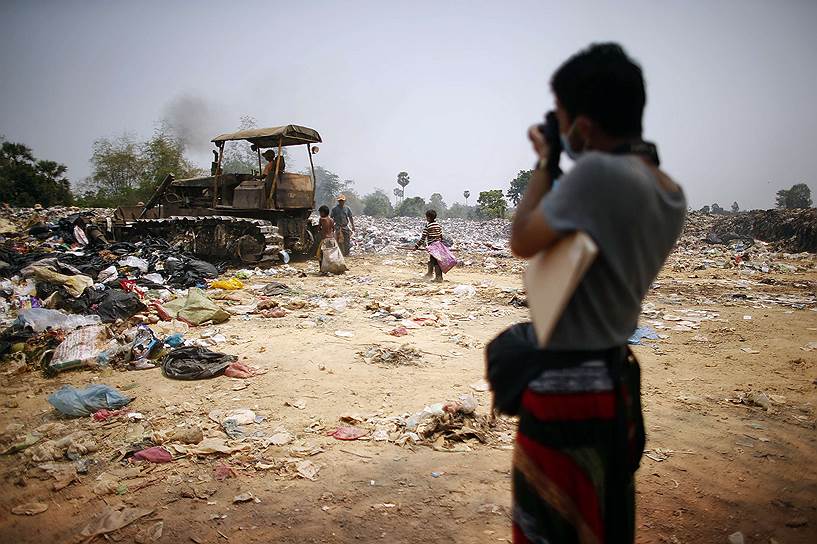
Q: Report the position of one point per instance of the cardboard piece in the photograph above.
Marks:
(552, 277)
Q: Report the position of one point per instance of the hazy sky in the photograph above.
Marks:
(443, 90)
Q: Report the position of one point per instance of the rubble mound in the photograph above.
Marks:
(794, 231)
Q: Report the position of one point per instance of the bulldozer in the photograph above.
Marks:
(249, 218)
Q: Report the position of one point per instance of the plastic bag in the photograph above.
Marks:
(195, 363)
(142, 345)
(107, 275)
(174, 340)
(117, 304)
(230, 284)
(196, 308)
(74, 285)
(465, 290)
(40, 319)
(156, 454)
(331, 257)
(135, 262)
(84, 402)
(85, 347)
(444, 257)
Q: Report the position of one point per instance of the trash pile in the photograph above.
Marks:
(70, 299)
(389, 356)
(756, 242)
(390, 235)
(792, 231)
(452, 426)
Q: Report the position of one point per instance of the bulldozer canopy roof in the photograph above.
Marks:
(269, 137)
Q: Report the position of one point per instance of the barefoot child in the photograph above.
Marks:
(331, 258)
(433, 232)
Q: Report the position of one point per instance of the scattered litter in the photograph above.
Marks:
(307, 469)
(348, 433)
(111, 520)
(84, 402)
(195, 363)
(246, 497)
(300, 404)
(643, 333)
(29, 509)
(464, 291)
(403, 355)
(156, 454)
(756, 398)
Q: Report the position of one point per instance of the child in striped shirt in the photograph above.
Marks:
(433, 232)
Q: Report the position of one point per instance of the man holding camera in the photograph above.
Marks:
(580, 435)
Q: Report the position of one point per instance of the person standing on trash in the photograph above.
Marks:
(580, 435)
(432, 232)
(344, 224)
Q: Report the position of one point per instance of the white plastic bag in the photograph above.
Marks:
(332, 260)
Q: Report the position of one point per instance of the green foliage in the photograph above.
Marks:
(492, 204)
(125, 171)
(735, 207)
(328, 186)
(799, 196)
(377, 204)
(412, 207)
(437, 204)
(705, 209)
(518, 186)
(461, 211)
(25, 181)
(716, 208)
(403, 179)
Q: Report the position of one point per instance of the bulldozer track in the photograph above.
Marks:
(250, 240)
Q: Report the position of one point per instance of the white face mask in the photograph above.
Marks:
(572, 153)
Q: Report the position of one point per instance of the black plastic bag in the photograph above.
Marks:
(189, 272)
(117, 304)
(195, 363)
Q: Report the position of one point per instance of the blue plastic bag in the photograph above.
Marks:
(74, 402)
(175, 340)
(642, 333)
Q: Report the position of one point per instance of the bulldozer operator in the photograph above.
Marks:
(269, 155)
(268, 174)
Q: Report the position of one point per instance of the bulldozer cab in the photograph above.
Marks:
(279, 189)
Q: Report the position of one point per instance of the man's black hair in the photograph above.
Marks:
(604, 84)
(324, 210)
(431, 215)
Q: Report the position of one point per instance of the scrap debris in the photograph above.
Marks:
(390, 356)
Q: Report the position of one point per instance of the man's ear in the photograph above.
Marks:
(584, 128)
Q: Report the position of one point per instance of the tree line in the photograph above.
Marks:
(126, 170)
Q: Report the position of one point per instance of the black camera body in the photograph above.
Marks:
(550, 131)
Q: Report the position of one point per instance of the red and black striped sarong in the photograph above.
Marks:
(579, 442)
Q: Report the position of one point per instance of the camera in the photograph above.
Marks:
(550, 131)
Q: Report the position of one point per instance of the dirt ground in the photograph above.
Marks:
(714, 465)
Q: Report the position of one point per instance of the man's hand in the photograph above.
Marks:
(540, 145)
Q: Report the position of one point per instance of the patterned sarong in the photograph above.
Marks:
(579, 442)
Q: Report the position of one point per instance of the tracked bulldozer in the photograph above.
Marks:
(241, 217)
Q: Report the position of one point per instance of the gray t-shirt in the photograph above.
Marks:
(341, 216)
(618, 201)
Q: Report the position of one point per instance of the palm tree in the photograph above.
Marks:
(466, 194)
(402, 181)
